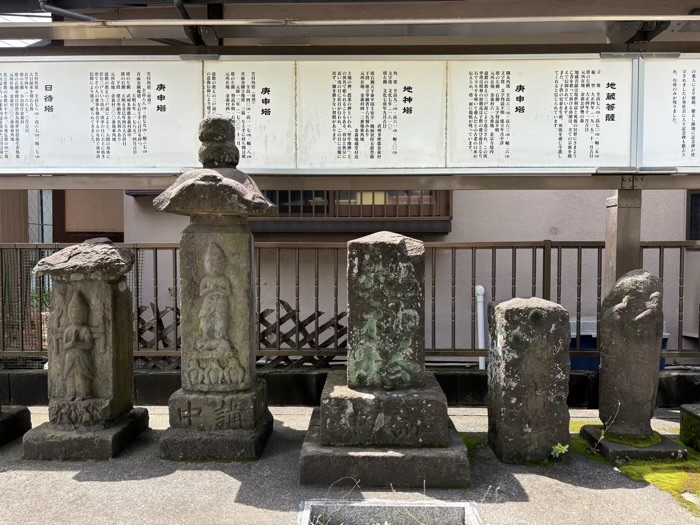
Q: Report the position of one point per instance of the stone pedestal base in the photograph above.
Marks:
(690, 425)
(432, 467)
(667, 449)
(359, 416)
(192, 444)
(48, 442)
(14, 422)
(219, 410)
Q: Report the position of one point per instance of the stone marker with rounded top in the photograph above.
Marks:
(90, 356)
(15, 420)
(387, 399)
(630, 340)
(221, 410)
(528, 379)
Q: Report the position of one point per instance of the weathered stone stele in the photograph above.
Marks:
(220, 391)
(386, 312)
(631, 331)
(387, 399)
(15, 420)
(528, 379)
(90, 354)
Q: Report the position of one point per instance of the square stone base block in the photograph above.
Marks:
(219, 410)
(667, 449)
(14, 422)
(690, 425)
(48, 442)
(432, 467)
(375, 417)
(193, 444)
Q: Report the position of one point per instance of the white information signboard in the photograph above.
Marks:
(260, 97)
(540, 113)
(670, 112)
(371, 114)
(99, 115)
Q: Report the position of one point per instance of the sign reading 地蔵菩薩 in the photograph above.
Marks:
(561, 114)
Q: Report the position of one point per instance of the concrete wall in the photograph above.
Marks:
(94, 211)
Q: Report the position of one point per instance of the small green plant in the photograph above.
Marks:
(558, 451)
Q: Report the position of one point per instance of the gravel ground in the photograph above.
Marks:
(139, 488)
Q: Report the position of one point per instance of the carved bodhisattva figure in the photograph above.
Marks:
(218, 362)
(221, 410)
(78, 366)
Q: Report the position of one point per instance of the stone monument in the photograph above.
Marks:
(631, 331)
(386, 422)
(221, 410)
(528, 379)
(15, 420)
(90, 356)
(690, 425)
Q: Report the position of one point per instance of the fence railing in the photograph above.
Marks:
(302, 297)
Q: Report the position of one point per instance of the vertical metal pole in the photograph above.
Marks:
(547, 270)
(335, 297)
(474, 344)
(137, 300)
(578, 297)
(559, 265)
(40, 290)
(432, 295)
(681, 284)
(156, 308)
(454, 270)
(176, 316)
(20, 298)
(297, 314)
(599, 290)
(513, 267)
(257, 287)
(493, 273)
(534, 272)
(316, 314)
(277, 297)
(2, 299)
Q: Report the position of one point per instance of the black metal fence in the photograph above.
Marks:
(302, 298)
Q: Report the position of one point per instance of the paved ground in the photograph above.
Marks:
(140, 488)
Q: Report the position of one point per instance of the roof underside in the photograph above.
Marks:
(373, 23)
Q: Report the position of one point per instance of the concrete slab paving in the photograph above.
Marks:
(138, 487)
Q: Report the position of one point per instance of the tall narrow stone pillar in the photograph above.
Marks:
(528, 379)
(90, 356)
(221, 410)
(387, 399)
(622, 235)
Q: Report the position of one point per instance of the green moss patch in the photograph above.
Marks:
(677, 477)
(674, 477)
(472, 443)
(576, 426)
(638, 442)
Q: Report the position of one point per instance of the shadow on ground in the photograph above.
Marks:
(272, 482)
